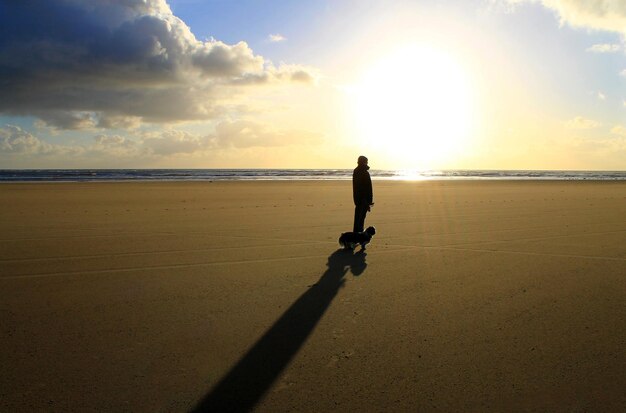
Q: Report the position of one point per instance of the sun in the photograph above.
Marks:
(414, 107)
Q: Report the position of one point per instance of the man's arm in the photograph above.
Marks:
(370, 193)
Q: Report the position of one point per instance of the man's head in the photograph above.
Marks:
(362, 160)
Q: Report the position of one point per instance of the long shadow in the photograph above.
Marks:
(246, 383)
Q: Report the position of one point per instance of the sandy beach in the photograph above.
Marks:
(209, 296)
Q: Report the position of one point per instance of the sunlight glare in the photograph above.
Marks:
(414, 107)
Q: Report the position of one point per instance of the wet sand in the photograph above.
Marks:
(473, 296)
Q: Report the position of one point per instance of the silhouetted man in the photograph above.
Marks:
(362, 193)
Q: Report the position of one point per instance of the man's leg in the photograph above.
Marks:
(359, 217)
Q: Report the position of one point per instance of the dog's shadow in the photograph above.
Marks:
(248, 381)
(357, 263)
(350, 260)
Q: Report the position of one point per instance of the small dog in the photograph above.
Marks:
(349, 240)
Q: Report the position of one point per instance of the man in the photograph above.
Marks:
(361, 192)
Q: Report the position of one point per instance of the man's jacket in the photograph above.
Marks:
(362, 186)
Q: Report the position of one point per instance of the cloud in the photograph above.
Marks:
(619, 131)
(173, 142)
(304, 76)
(623, 73)
(13, 139)
(228, 135)
(609, 151)
(119, 122)
(80, 64)
(607, 15)
(601, 96)
(235, 140)
(275, 38)
(246, 134)
(115, 145)
(604, 48)
(581, 123)
(59, 119)
(16, 141)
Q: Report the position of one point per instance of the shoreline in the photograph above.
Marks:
(265, 175)
(349, 180)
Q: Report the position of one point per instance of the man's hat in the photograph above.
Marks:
(362, 160)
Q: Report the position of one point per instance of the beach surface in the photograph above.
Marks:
(232, 296)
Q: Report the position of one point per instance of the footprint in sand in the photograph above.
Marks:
(335, 359)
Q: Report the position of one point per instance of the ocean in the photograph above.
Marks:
(79, 175)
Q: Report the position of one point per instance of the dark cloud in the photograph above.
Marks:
(77, 63)
(118, 122)
(68, 120)
(301, 76)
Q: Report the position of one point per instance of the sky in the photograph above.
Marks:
(421, 84)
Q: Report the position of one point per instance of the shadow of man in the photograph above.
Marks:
(246, 383)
